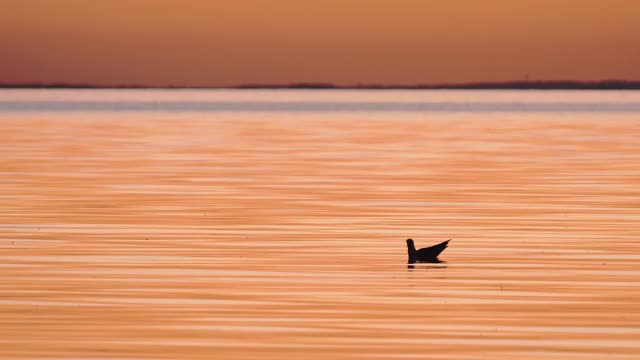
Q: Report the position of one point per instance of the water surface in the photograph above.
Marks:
(137, 231)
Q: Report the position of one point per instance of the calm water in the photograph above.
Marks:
(271, 224)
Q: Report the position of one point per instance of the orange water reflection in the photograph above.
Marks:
(213, 237)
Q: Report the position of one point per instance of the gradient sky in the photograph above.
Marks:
(229, 42)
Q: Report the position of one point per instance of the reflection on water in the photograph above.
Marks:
(133, 235)
(437, 264)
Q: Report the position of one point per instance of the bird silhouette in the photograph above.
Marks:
(428, 254)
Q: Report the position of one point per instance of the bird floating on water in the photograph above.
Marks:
(428, 254)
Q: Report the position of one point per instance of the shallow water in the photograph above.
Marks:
(275, 233)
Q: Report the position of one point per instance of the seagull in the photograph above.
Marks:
(428, 254)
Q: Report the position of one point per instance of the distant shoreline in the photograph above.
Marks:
(513, 85)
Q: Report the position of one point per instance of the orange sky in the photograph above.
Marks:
(228, 42)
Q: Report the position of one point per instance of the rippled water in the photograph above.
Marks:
(135, 233)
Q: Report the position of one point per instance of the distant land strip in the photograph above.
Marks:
(510, 85)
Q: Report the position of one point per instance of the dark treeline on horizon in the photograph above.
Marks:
(509, 85)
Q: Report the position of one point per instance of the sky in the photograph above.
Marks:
(232, 42)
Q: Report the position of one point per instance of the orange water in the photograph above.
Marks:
(276, 237)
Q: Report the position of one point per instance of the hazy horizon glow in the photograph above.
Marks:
(212, 43)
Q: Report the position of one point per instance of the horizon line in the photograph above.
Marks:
(606, 84)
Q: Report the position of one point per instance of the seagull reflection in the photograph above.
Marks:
(430, 265)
